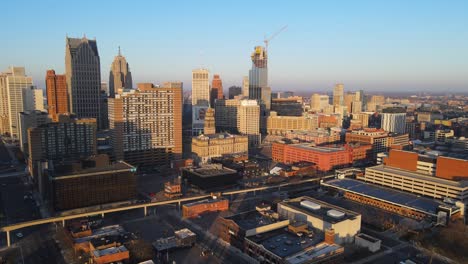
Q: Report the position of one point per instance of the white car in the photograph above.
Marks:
(19, 235)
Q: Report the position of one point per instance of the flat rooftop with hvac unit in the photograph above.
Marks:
(322, 216)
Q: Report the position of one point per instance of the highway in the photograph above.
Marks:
(145, 206)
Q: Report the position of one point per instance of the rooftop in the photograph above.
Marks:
(308, 146)
(319, 209)
(320, 251)
(283, 243)
(109, 251)
(386, 194)
(116, 166)
(211, 170)
(251, 219)
(420, 176)
(205, 201)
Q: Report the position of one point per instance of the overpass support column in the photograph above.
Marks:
(102, 215)
(178, 206)
(63, 222)
(255, 193)
(8, 238)
(145, 210)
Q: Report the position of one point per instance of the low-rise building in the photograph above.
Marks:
(205, 147)
(320, 215)
(211, 176)
(415, 182)
(194, 209)
(397, 202)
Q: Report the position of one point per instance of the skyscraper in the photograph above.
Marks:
(394, 122)
(33, 99)
(245, 87)
(14, 82)
(216, 89)
(83, 72)
(120, 76)
(318, 102)
(200, 87)
(338, 95)
(258, 77)
(70, 137)
(248, 120)
(57, 94)
(200, 99)
(4, 119)
(234, 91)
(146, 124)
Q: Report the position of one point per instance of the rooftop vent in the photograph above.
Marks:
(310, 205)
(335, 213)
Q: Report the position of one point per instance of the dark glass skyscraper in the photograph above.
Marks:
(83, 71)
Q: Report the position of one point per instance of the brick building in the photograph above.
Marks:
(194, 209)
(325, 157)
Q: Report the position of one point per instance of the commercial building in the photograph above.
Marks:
(215, 204)
(70, 138)
(205, 147)
(147, 133)
(375, 103)
(200, 87)
(120, 76)
(216, 89)
(285, 246)
(245, 87)
(380, 140)
(258, 77)
(248, 120)
(33, 99)
(110, 255)
(326, 158)
(319, 102)
(264, 237)
(12, 84)
(226, 115)
(338, 95)
(415, 182)
(401, 203)
(83, 73)
(30, 119)
(234, 91)
(57, 94)
(394, 122)
(88, 182)
(439, 166)
(211, 176)
(291, 106)
(209, 127)
(234, 229)
(322, 216)
(280, 125)
(182, 238)
(319, 136)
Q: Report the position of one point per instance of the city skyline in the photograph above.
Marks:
(361, 45)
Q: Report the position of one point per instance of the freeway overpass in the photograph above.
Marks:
(145, 206)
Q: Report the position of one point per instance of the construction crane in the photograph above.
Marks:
(267, 40)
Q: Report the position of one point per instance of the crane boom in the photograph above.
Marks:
(267, 40)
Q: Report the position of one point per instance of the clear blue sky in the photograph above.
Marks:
(397, 45)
